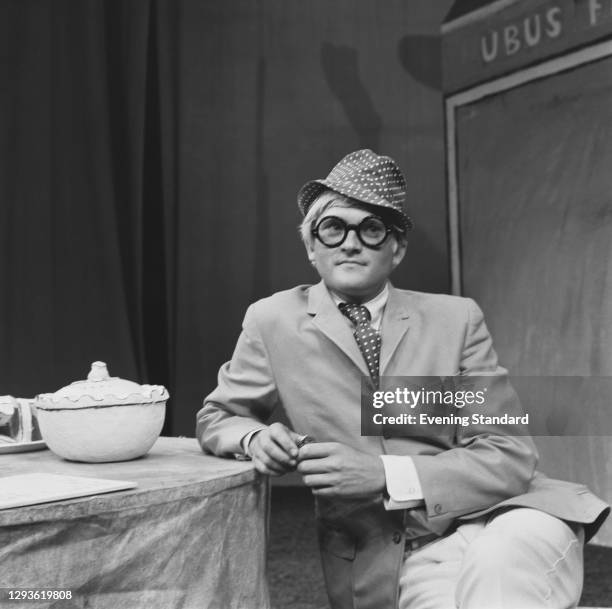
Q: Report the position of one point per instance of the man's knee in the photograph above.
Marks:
(527, 549)
(526, 535)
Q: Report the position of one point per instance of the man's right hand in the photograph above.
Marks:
(274, 450)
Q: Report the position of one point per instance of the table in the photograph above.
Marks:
(191, 535)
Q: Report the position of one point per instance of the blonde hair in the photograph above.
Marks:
(328, 198)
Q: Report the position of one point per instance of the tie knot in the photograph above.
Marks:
(358, 314)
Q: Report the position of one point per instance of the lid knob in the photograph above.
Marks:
(98, 372)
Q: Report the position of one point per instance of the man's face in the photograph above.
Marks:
(353, 271)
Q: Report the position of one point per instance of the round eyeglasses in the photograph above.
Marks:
(332, 231)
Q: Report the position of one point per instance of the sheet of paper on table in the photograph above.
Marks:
(29, 489)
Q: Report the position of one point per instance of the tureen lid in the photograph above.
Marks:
(101, 389)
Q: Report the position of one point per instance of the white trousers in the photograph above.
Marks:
(521, 559)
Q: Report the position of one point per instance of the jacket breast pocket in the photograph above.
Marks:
(337, 542)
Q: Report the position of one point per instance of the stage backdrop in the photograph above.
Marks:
(151, 153)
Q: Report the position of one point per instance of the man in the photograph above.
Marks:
(432, 522)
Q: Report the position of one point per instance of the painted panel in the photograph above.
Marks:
(535, 210)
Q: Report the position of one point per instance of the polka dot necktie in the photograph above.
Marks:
(368, 339)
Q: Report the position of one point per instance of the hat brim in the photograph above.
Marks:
(311, 190)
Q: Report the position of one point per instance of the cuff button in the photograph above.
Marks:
(438, 508)
(397, 537)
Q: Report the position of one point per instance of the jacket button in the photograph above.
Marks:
(386, 435)
(438, 508)
(397, 537)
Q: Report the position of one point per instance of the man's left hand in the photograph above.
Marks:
(332, 469)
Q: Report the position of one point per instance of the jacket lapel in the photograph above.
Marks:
(395, 324)
(329, 320)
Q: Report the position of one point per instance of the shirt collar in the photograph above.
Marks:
(376, 306)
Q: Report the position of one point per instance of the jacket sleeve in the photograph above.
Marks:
(489, 462)
(245, 395)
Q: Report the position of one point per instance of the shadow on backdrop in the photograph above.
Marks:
(421, 57)
(341, 70)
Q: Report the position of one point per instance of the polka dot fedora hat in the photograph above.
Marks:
(365, 176)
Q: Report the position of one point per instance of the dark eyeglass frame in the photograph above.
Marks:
(348, 228)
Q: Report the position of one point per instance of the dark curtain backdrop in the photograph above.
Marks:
(151, 151)
(88, 191)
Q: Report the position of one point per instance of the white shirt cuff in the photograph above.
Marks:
(246, 441)
(403, 484)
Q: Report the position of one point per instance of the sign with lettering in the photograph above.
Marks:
(491, 42)
(513, 37)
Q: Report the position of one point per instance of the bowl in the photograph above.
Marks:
(102, 419)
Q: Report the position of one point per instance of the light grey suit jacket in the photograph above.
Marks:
(296, 349)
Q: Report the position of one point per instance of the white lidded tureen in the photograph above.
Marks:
(102, 418)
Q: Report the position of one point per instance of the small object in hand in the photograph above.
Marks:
(304, 440)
